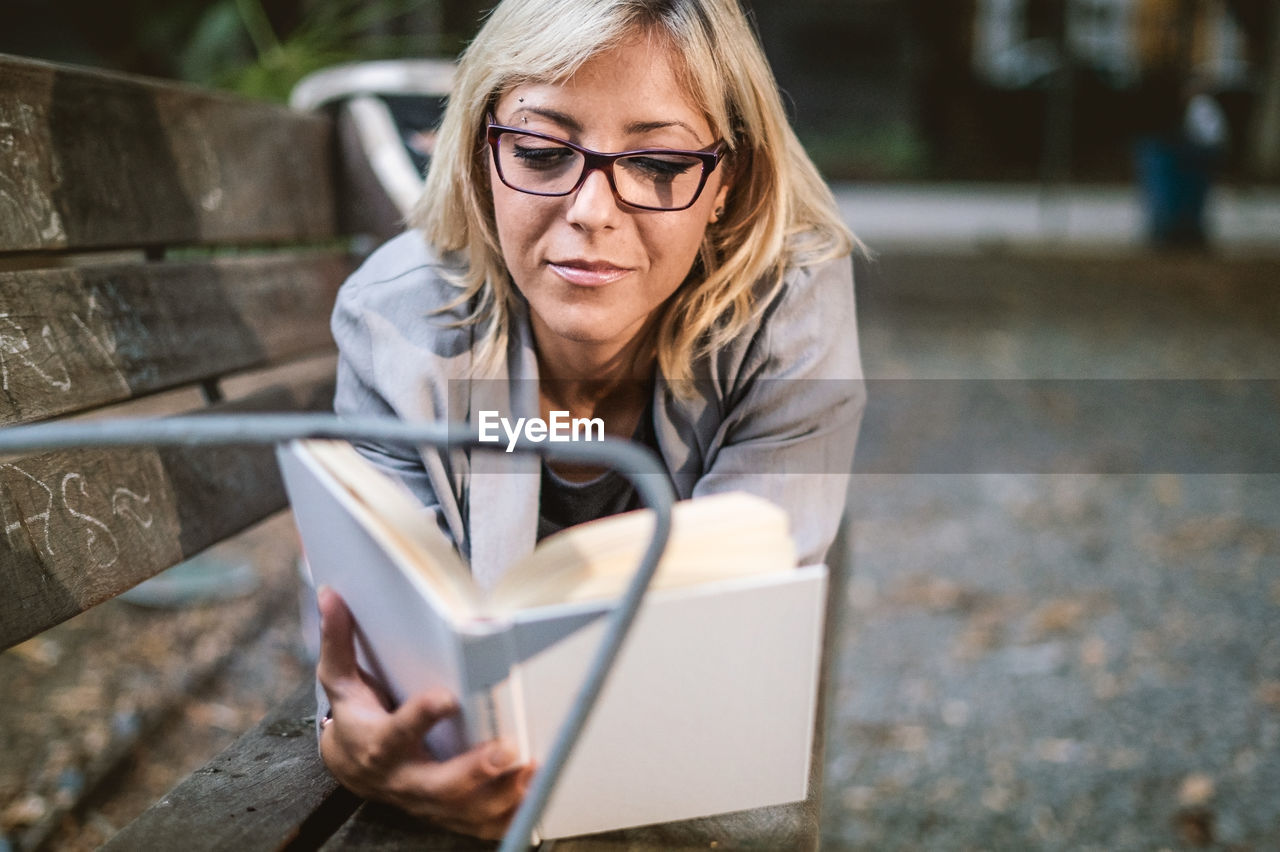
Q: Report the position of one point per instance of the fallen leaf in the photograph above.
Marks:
(858, 798)
(982, 632)
(1057, 750)
(1124, 758)
(937, 594)
(40, 651)
(214, 714)
(76, 699)
(1106, 686)
(911, 737)
(26, 810)
(1268, 693)
(1061, 615)
(1093, 652)
(946, 790)
(1195, 826)
(997, 799)
(1196, 789)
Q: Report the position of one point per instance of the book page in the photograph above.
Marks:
(397, 518)
(712, 538)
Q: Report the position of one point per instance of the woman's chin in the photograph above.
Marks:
(591, 329)
(587, 335)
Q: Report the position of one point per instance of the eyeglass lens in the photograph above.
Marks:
(661, 180)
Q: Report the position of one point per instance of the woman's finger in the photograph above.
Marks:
(337, 646)
(461, 778)
(489, 810)
(411, 721)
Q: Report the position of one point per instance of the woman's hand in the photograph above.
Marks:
(379, 754)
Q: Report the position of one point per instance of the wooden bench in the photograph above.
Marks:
(160, 244)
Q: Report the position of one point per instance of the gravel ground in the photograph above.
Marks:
(1060, 662)
(1069, 660)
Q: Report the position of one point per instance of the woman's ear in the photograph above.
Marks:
(717, 209)
(728, 172)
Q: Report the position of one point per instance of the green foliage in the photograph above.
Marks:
(217, 44)
(234, 46)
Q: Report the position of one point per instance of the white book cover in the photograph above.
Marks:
(709, 708)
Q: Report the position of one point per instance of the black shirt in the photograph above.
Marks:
(563, 503)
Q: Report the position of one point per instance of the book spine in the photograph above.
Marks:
(481, 713)
(487, 653)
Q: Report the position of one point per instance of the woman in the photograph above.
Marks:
(695, 293)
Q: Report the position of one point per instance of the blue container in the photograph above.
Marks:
(1174, 178)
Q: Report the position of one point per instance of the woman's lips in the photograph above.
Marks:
(586, 273)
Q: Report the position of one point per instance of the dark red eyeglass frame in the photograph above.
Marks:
(593, 160)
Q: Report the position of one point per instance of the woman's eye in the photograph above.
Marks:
(542, 156)
(659, 168)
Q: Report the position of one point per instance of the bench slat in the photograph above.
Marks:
(269, 790)
(97, 160)
(380, 828)
(82, 526)
(81, 337)
(791, 827)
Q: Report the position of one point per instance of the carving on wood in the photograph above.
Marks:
(43, 361)
(82, 517)
(64, 358)
(27, 212)
(72, 339)
(191, 137)
(78, 528)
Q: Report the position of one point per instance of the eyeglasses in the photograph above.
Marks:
(648, 179)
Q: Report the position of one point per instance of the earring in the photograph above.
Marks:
(717, 213)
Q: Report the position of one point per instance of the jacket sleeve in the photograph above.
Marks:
(357, 394)
(791, 417)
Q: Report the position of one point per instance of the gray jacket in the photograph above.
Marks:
(775, 412)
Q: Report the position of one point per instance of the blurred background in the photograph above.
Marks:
(1169, 98)
(1071, 646)
(881, 89)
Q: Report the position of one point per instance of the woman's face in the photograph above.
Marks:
(592, 269)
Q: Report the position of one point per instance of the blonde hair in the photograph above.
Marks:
(778, 214)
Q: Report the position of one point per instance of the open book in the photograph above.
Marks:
(710, 706)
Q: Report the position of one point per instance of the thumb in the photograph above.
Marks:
(337, 666)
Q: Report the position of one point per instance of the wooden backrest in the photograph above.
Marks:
(162, 249)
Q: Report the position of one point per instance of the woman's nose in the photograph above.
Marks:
(593, 205)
